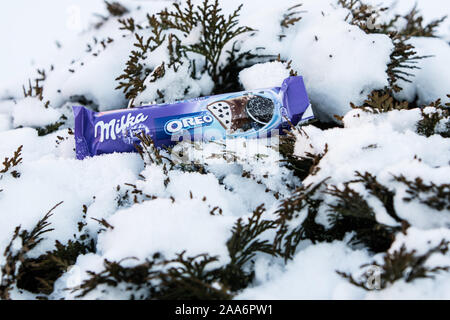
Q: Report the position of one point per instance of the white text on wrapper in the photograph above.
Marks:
(111, 129)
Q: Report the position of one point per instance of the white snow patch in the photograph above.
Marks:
(165, 227)
(432, 80)
(264, 75)
(31, 112)
(312, 275)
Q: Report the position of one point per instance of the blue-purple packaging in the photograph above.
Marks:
(249, 114)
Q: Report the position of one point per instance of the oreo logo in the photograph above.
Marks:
(194, 120)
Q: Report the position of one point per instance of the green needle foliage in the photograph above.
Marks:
(38, 275)
(189, 279)
(196, 277)
(15, 257)
(9, 163)
(302, 166)
(243, 247)
(362, 15)
(402, 264)
(132, 80)
(116, 9)
(380, 101)
(413, 25)
(348, 213)
(37, 89)
(434, 196)
(367, 17)
(207, 40)
(305, 201)
(403, 57)
(53, 127)
(430, 122)
(178, 279)
(170, 28)
(291, 17)
(403, 60)
(216, 30)
(352, 213)
(382, 193)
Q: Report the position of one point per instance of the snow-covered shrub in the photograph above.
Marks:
(403, 264)
(9, 163)
(197, 52)
(15, 252)
(381, 101)
(435, 119)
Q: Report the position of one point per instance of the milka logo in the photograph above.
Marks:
(195, 120)
(111, 129)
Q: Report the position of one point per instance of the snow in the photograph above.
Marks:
(152, 225)
(98, 88)
(420, 241)
(396, 150)
(395, 146)
(263, 75)
(68, 180)
(173, 85)
(5, 122)
(195, 211)
(339, 62)
(76, 275)
(312, 275)
(432, 80)
(32, 113)
(432, 166)
(430, 10)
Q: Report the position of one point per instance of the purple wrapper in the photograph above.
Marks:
(249, 114)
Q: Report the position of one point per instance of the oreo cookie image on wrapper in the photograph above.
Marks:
(260, 109)
(248, 114)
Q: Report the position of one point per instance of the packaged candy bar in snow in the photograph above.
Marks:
(249, 114)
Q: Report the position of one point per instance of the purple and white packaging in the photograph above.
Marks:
(248, 114)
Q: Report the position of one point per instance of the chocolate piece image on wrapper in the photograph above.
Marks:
(231, 114)
(221, 110)
(260, 109)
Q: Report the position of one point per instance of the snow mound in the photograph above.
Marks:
(31, 112)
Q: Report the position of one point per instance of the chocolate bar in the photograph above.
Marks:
(249, 114)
